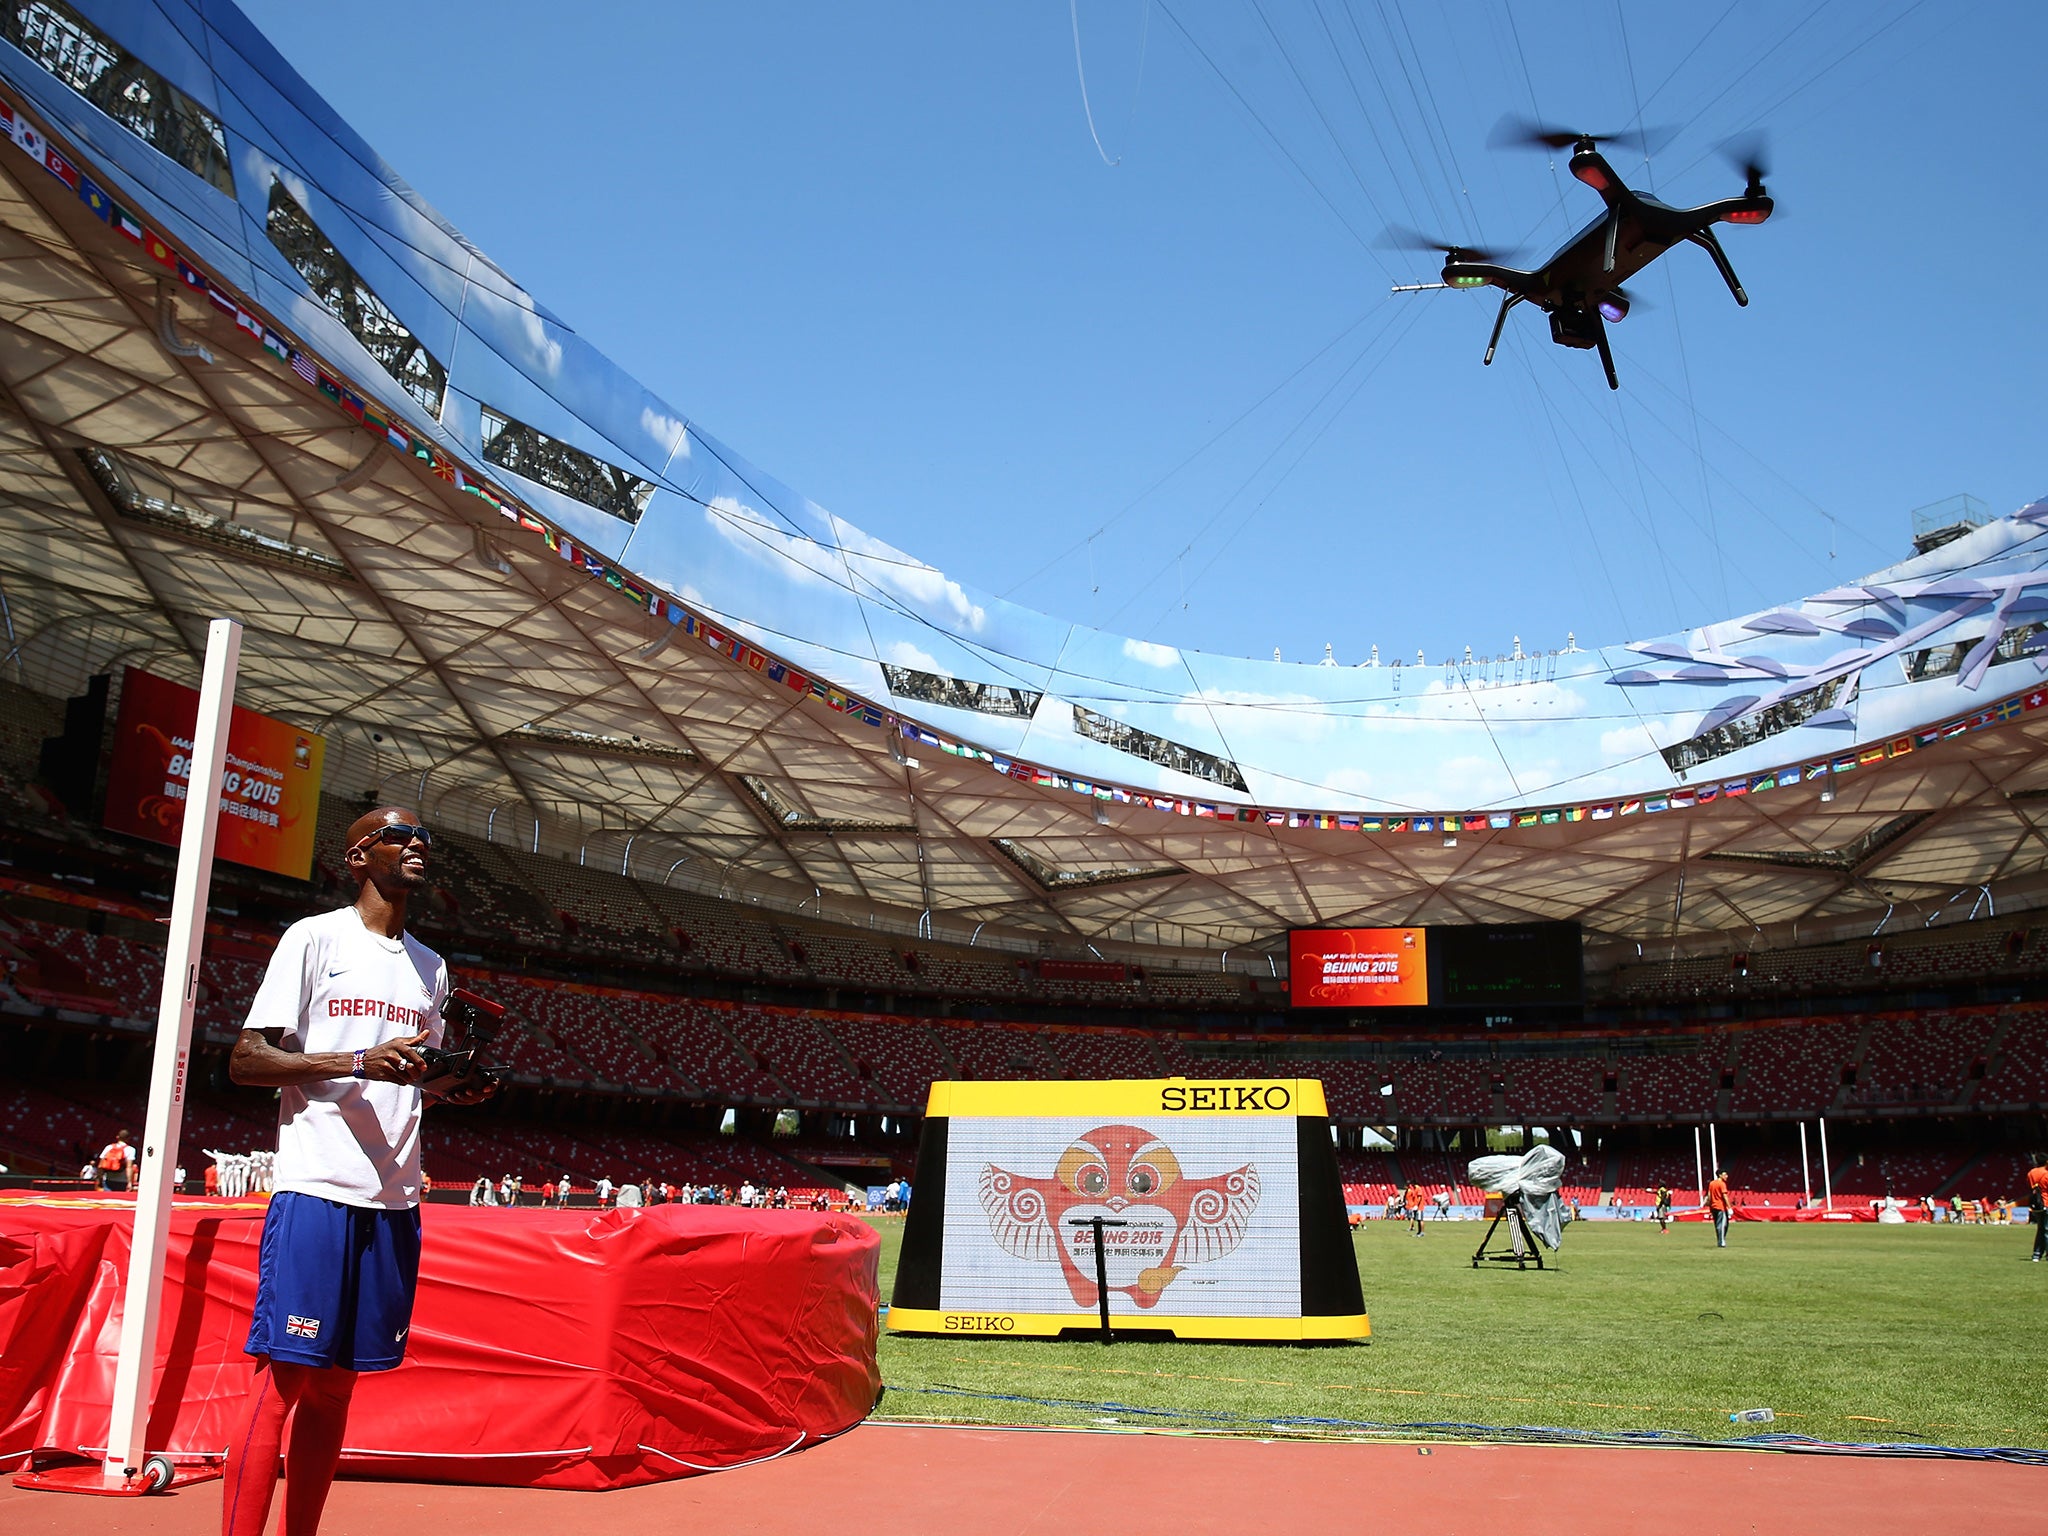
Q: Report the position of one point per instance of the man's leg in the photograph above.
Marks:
(2040, 1234)
(251, 1470)
(315, 1448)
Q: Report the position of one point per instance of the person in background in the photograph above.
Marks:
(1663, 1208)
(629, 1197)
(115, 1160)
(1412, 1204)
(2037, 1202)
(1719, 1205)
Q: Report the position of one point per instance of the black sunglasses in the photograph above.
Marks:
(397, 835)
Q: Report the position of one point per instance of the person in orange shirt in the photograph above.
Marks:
(1413, 1204)
(1719, 1204)
(2037, 1202)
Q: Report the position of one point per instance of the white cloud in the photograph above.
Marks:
(903, 654)
(667, 431)
(749, 531)
(1627, 741)
(1252, 722)
(542, 348)
(925, 586)
(1151, 655)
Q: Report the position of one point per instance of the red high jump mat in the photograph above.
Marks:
(549, 1349)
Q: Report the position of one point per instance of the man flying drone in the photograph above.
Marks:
(1580, 286)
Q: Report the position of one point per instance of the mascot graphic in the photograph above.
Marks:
(1128, 1174)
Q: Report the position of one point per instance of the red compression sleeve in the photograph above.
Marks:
(315, 1449)
(251, 1473)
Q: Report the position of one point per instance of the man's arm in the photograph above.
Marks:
(258, 1063)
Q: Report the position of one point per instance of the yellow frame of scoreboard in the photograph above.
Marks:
(1332, 1301)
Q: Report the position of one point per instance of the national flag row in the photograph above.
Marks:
(650, 599)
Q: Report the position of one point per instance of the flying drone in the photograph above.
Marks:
(1580, 286)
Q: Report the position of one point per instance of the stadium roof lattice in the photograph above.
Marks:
(207, 408)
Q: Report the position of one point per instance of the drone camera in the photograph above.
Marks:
(1575, 328)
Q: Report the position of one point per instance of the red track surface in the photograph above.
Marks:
(906, 1481)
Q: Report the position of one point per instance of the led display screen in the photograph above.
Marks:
(1481, 966)
(270, 787)
(1220, 1208)
(1522, 964)
(1358, 967)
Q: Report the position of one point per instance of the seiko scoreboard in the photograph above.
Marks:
(1222, 1215)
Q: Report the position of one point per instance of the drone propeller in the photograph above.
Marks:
(1398, 237)
(1749, 153)
(1514, 132)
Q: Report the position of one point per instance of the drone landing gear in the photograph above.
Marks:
(1606, 357)
(1704, 239)
(1521, 1250)
(1499, 320)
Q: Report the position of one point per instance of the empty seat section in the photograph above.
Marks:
(898, 1058)
(691, 1036)
(789, 1043)
(1795, 1066)
(1670, 1084)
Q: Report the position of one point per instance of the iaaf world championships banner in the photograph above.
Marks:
(270, 787)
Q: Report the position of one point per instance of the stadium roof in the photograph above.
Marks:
(244, 370)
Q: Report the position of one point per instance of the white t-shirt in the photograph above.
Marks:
(335, 986)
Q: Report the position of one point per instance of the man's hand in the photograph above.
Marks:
(474, 1091)
(396, 1061)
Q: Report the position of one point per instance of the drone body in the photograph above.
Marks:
(1580, 286)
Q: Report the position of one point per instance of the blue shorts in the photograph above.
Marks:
(334, 1283)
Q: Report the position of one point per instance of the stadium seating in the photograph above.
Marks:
(689, 1035)
(789, 1043)
(898, 1058)
(1543, 1089)
(1908, 1175)
(1368, 1177)
(1796, 1067)
(1924, 1058)
(2019, 1077)
(1675, 1084)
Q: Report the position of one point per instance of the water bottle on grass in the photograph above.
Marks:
(1752, 1416)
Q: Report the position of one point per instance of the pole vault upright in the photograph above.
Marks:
(126, 1443)
(128, 1466)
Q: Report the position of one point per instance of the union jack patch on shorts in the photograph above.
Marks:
(302, 1327)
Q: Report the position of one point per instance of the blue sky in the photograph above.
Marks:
(876, 250)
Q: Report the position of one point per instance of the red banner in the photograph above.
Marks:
(270, 788)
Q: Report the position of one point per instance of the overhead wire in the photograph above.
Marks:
(1406, 324)
(1274, 139)
(1678, 330)
(1214, 438)
(1389, 316)
(1315, 106)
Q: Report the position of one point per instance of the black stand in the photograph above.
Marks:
(1510, 1213)
(1101, 1269)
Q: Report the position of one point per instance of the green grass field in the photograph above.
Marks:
(1864, 1333)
